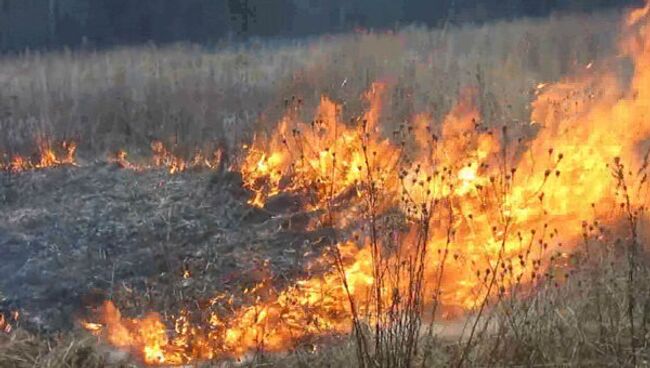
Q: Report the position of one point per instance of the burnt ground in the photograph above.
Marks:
(71, 237)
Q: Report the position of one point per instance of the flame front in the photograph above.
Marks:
(46, 157)
(492, 207)
(324, 158)
(163, 158)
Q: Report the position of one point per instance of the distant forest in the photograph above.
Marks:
(99, 23)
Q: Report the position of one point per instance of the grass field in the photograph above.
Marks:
(189, 96)
(147, 239)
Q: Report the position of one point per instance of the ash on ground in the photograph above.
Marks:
(72, 237)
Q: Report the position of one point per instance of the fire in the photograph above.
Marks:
(65, 155)
(323, 158)
(310, 307)
(149, 333)
(448, 165)
(163, 158)
(7, 322)
(46, 157)
(497, 216)
(120, 158)
(18, 164)
(4, 325)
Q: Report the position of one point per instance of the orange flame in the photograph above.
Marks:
(496, 212)
(46, 157)
(6, 322)
(324, 158)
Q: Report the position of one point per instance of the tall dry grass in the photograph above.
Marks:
(188, 96)
(191, 97)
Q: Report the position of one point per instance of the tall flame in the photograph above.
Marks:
(493, 209)
(324, 157)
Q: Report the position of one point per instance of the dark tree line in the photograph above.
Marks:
(56, 23)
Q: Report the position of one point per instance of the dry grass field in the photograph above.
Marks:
(189, 96)
(463, 272)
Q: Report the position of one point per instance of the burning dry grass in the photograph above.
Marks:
(45, 157)
(581, 323)
(162, 158)
(504, 208)
(189, 97)
(467, 209)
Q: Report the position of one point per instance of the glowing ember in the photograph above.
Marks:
(165, 159)
(493, 214)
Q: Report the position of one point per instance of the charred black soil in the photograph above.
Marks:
(72, 237)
